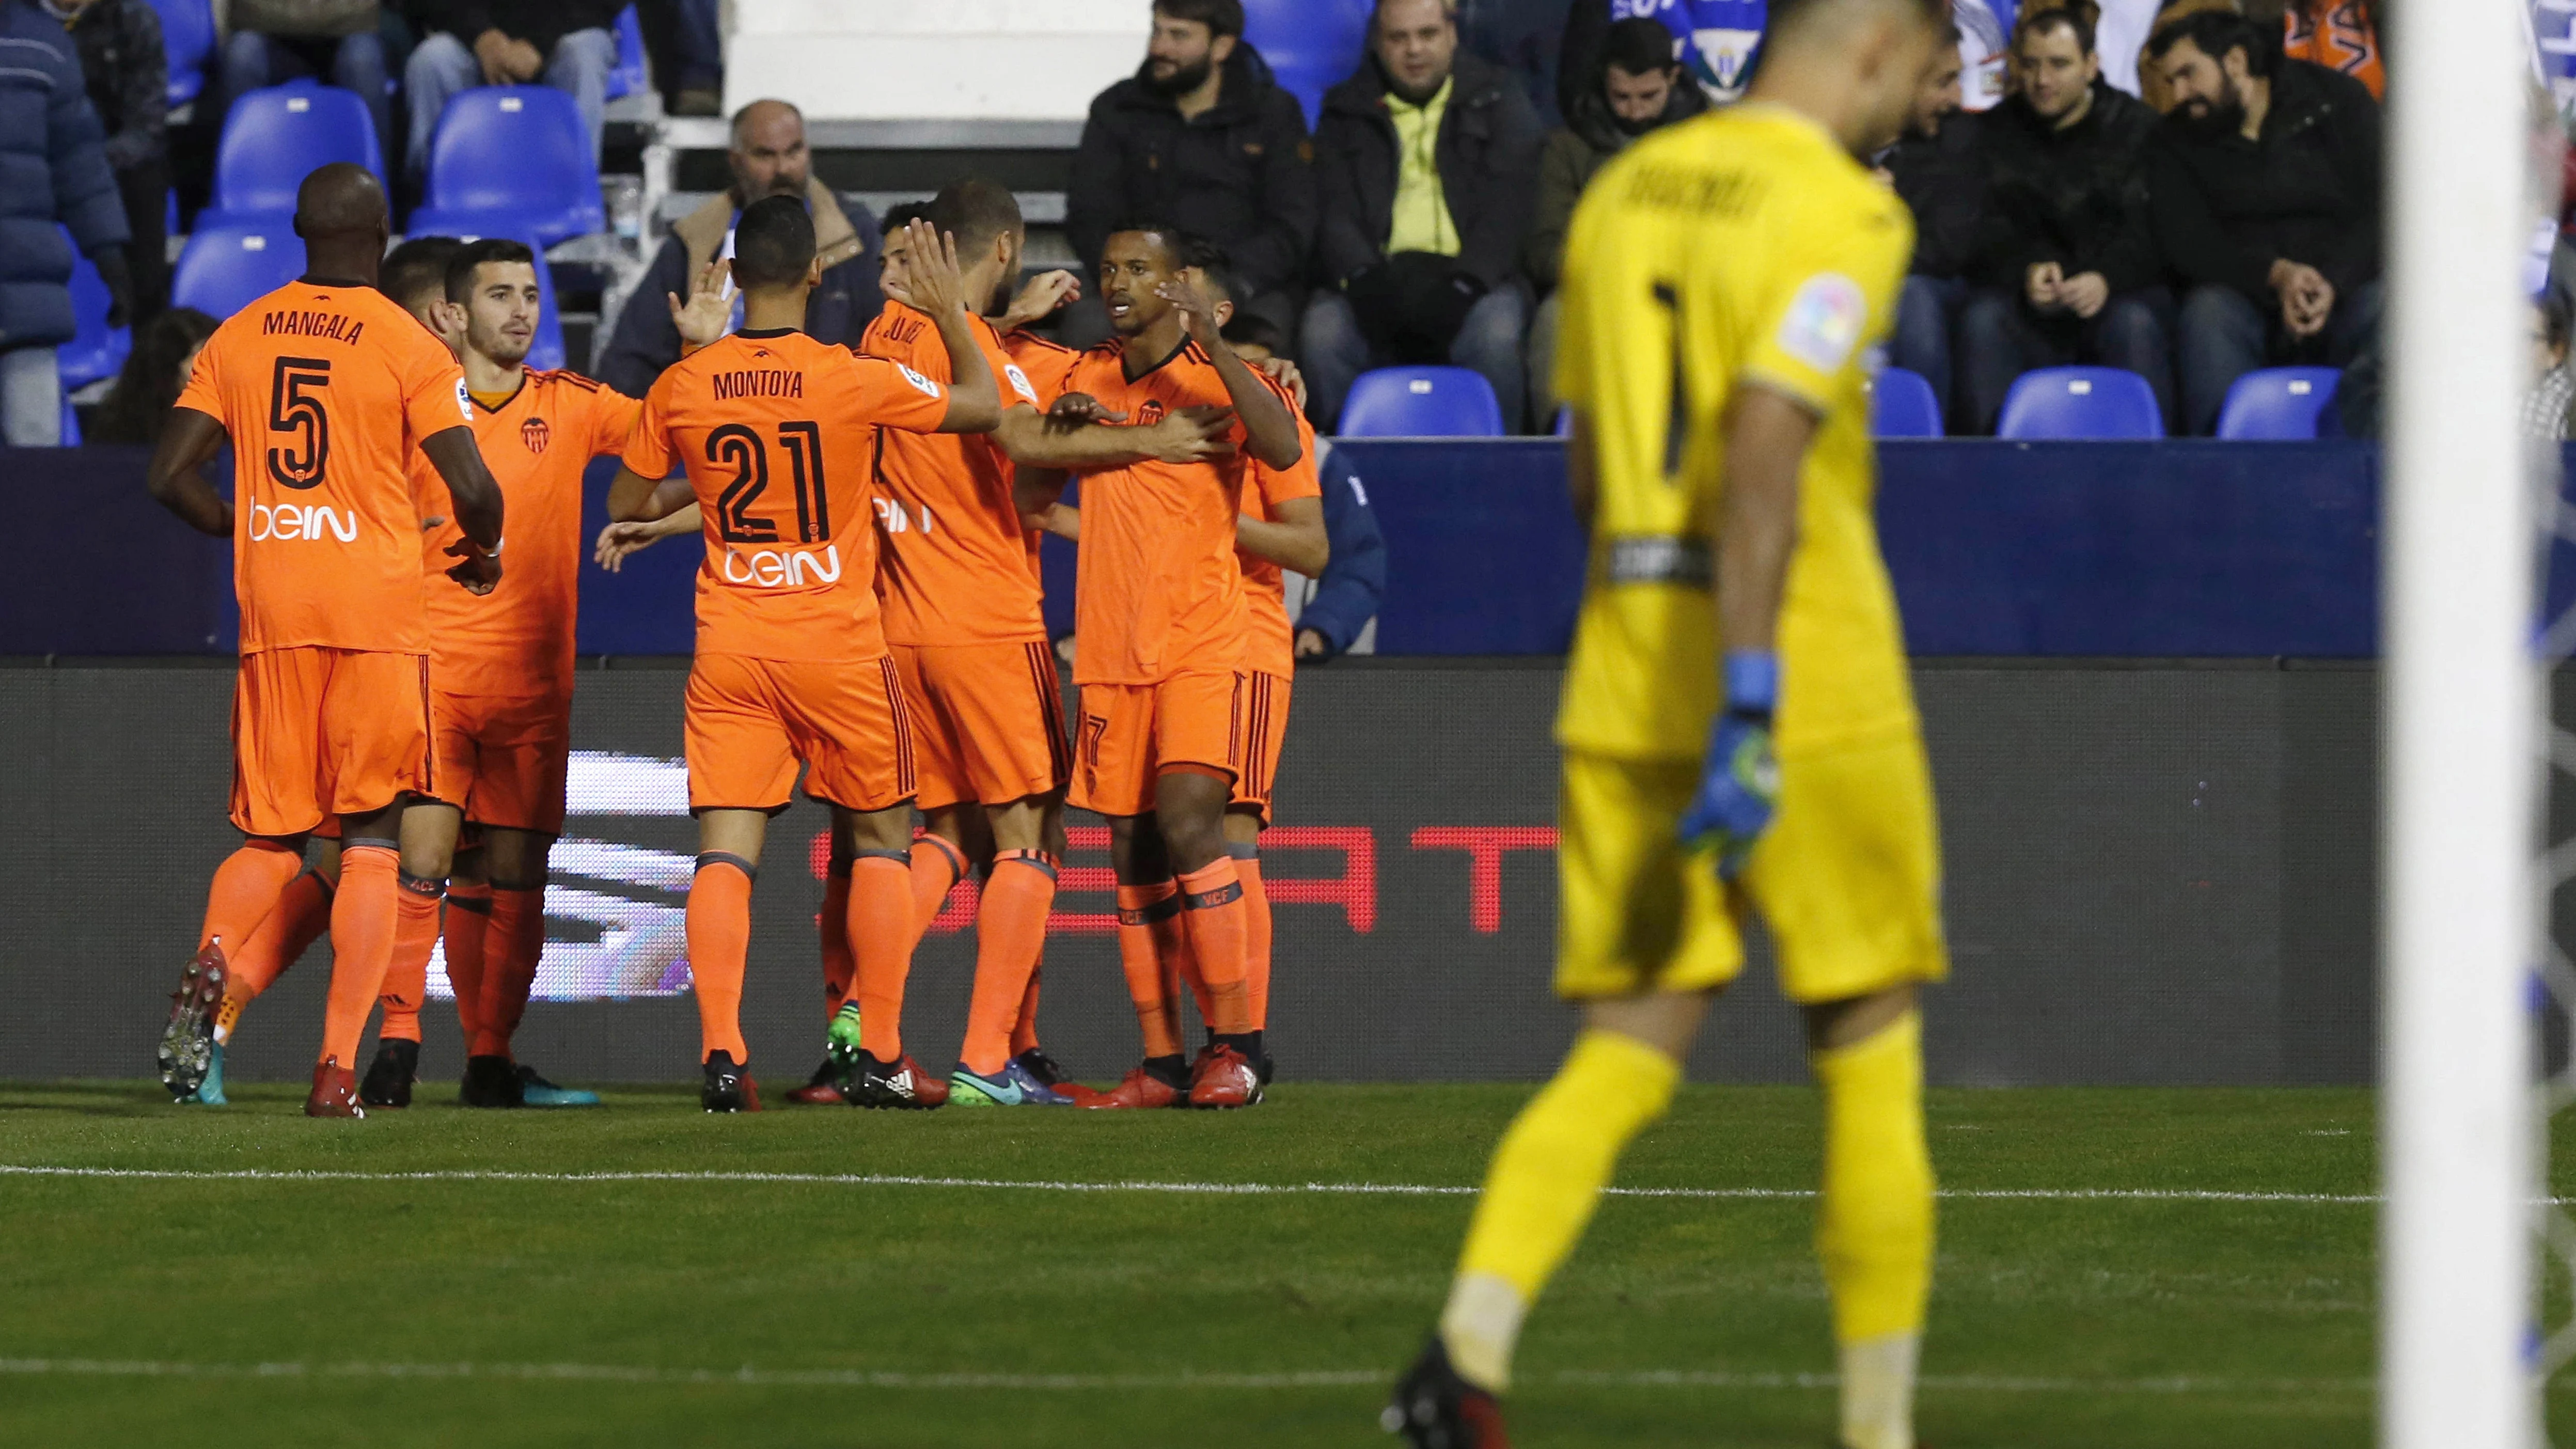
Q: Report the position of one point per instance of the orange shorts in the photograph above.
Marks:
(749, 722)
(319, 733)
(1260, 728)
(1132, 733)
(987, 721)
(502, 761)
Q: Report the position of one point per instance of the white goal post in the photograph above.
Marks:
(2459, 927)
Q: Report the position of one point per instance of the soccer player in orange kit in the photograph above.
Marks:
(776, 432)
(325, 389)
(1162, 630)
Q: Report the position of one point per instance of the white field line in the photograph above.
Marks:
(1063, 1383)
(1219, 1189)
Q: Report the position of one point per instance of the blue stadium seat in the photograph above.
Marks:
(96, 350)
(1312, 45)
(275, 136)
(188, 41)
(227, 267)
(1901, 405)
(546, 349)
(2280, 405)
(1565, 421)
(1421, 402)
(519, 158)
(71, 425)
(2100, 403)
(629, 76)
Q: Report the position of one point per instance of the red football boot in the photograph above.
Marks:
(1139, 1088)
(1224, 1078)
(822, 1090)
(904, 1086)
(335, 1091)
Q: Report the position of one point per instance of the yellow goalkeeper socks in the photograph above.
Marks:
(1546, 1177)
(1874, 1230)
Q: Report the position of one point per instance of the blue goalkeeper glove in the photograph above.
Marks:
(1739, 786)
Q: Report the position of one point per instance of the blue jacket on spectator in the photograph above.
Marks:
(53, 168)
(1347, 595)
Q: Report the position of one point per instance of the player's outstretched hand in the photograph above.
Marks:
(1285, 373)
(1189, 292)
(618, 540)
(1739, 786)
(1080, 410)
(1043, 297)
(932, 279)
(1191, 435)
(479, 572)
(709, 310)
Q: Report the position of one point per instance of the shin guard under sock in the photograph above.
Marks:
(1874, 1225)
(511, 948)
(883, 926)
(245, 889)
(1213, 910)
(1010, 929)
(469, 921)
(407, 972)
(1144, 912)
(719, 930)
(363, 917)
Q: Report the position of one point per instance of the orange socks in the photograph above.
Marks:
(1145, 912)
(302, 914)
(1256, 938)
(1024, 1031)
(363, 921)
(719, 929)
(1213, 908)
(407, 973)
(936, 869)
(511, 946)
(245, 890)
(469, 918)
(884, 922)
(1010, 929)
(833, 926)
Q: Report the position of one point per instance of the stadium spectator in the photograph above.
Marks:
(128, 80)
(1937, 168)
(689, 34)
(1715, 42)
(2341, 35)
(2546, 411)
(155, 372)
(2264, 186)
(2069, 258)
(566, 44)
(768, 158)
(1202, 137)
(1427, 161)
(53, 169)
(1341, 604)
(275, 41)
(1636, 87)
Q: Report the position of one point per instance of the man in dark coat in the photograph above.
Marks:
(2068, 270)
(53, 174)
(1199, 138)
(129, 82)
(567, 44)
(769, 158)
(1427, 161)
(1939, 171)
(2264, 186)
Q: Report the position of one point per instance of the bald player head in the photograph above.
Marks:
(340, 213)
(1857, 66)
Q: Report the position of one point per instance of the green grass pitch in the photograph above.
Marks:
(545, 1310)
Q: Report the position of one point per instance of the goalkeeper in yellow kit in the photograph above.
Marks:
(1738, 726)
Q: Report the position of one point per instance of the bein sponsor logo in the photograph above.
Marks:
(781, 568)
(302, 520)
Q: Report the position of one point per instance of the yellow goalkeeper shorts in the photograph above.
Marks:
(1847, 879)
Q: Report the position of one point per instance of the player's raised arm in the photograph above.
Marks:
(934, 283)
(1270, 428)
(1296, 540)
(188, 441)
(1186, 435)
(477, 498)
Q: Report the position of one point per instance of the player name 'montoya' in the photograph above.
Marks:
(328, 325)
(759, 382)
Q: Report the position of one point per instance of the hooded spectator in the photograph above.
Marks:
(2264, 185)
(2069, 271)
(129, 86)
(53, 175)
(1427, 161)
(1203, 137)
(1636, 87)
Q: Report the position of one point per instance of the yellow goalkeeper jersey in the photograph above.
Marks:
(1745, 246)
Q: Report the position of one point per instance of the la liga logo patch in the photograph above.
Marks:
(1825, 321)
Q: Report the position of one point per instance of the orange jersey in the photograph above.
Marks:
(1271, 647)
(1158, 590)
(1045, 364)
(2342, 38)
(516, 641)
(958, 568)
(327, 392)
(776, 431)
